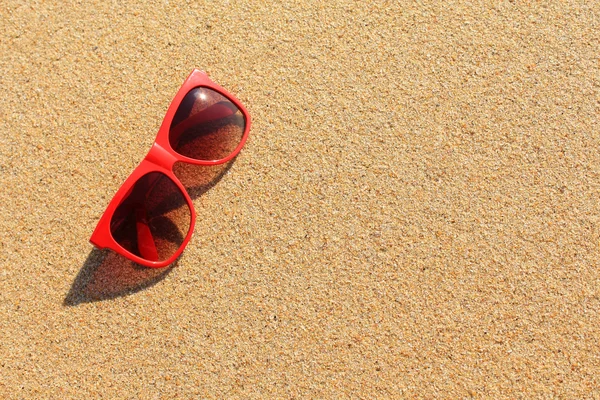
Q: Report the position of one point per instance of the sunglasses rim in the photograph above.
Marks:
(161, 158)
(103, 237)
(199, 79)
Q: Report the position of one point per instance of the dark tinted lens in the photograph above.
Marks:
(207, 126)
(153, 219)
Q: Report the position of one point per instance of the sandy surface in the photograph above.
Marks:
(415, 214)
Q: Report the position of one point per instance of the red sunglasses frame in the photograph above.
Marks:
(161, 158)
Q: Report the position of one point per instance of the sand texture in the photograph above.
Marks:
(415, 214)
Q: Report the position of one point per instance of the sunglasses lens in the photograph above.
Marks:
(153, 220)
(207, 126)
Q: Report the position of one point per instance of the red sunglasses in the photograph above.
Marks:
(151, 217)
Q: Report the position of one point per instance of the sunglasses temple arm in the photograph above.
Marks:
(216, 111)
(145, 239)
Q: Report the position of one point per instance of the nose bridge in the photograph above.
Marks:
(160, 156)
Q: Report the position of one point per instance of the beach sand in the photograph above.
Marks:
(415, 213)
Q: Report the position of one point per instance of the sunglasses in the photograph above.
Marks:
(151, 218)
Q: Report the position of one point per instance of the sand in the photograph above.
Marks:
(415, 214)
